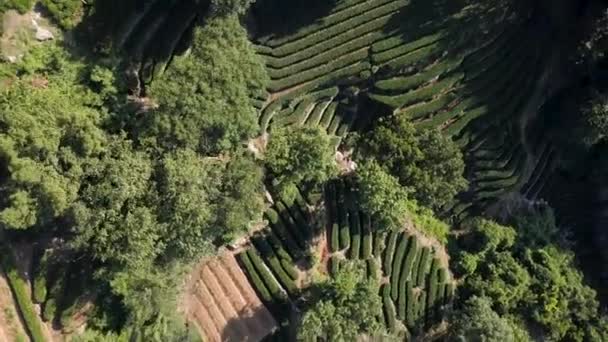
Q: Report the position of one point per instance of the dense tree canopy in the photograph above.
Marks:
(348, 307)
(205, 99)
(536, 284)
(426, 163)
(381, 195)
(50, 127)
(296, 155)
(477, 322)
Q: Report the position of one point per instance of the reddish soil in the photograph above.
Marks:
(221, 303)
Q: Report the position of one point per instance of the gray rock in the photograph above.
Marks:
(44, 34)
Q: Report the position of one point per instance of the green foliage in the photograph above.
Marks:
(258, 284)
(478, 322)
(49, 132)
(348, 306)
(381, 195)
(204, 106)
(559, 300)
(65, 12)
(428, 165)
(50, 310)
(296, 155)
(40, 276)
(335, 238)
(22, 6)
(595, 116)
(20, 291)
(113, 218)
(536, 283)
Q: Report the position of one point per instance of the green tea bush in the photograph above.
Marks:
(20, 291)
(258, 284)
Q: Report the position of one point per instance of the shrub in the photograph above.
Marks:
(344, 231)
(64, 12)
(255, 278)
(21, 6)
(379, 243)
(423, 267)
(403, 48)
(328, 115)
(40, 274)
(267, 277)
(286, 273)
(411, 310)
(340, 14)
(311, 58)
(366, 252)
(389, 252)
(389, 308)
(407, 83)
(397, 263)
(315, 116)
(432, 291)
(335, 238)
(320, 73)
(50, 310)
(20, 291)
(421, 307)
(442, 276)
(291, 225)
(373, 270)
(449, 292)
(334, 265)
(402, 298)
(410, 257)
(419, 95)
(355, 246)
(296, 117)
(292, 246)
(426, 109)
(347, 30)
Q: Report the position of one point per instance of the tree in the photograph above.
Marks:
(65, 12)
(205, 98)
(50, 127)
(204, 199)
(536, 226)
(559, 300)
(477, 322)
(536, 284)
(113, 217)
(426, 163)
(348, 307)
(296, 155)
(381, 195)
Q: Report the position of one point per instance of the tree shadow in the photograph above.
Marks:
(252, 324)
(277, 18)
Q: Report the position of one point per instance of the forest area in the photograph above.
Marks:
(267, 170)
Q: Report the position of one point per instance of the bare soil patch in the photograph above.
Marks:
(221, 303)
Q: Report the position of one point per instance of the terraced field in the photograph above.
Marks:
(222, 304)
(413, 269)
(473, 75)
